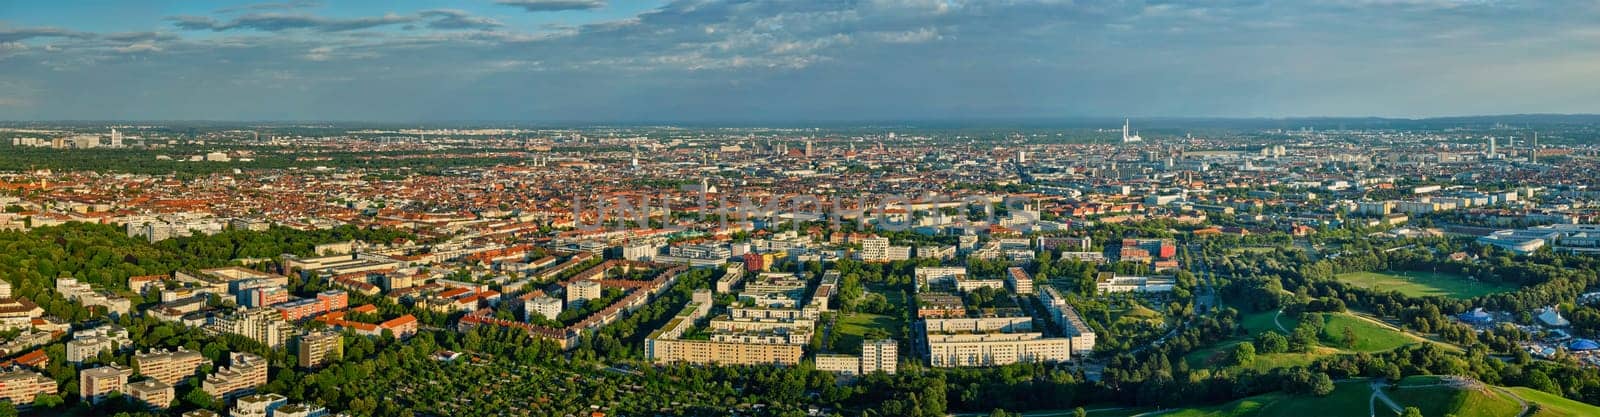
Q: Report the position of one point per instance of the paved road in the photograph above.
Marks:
(1379, 395)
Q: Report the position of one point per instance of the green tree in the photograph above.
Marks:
(1412, 412)
(1244, 354)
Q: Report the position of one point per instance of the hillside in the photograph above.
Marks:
(1433, 395)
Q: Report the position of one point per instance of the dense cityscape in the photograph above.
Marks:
(316, 269)
(771, 208)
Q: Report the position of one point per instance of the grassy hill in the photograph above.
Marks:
(1424, 283)
(1551, 405)
(1370, 336)
(1434, 396)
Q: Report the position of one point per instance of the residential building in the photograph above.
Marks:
(257, 405)
(153, 393)
(583, 290)
(263, 325)
(546, 307)
(22, 386)
(244, 373)
(95, 384)
(169, 367)
(317, 348)
(89, 343)
(880, 355)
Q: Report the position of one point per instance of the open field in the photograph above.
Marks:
(1423, 284)
(856, 327)
(1352, 398)
(1551, 405)
(1370, 337)
(1348, 399)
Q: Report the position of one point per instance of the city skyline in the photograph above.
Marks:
(598, 61)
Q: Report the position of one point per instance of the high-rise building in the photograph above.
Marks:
(583, 290)
(1126, 138)
(22, 386)
(264, 325)
(259, 405)
(879, 355)
(95, 383)
(542, 306)
(154, 394)
(875, 249)
(243, 374)
(88, 343)
(317, 348)
(169, 367)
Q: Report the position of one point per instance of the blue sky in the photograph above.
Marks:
(752, 60)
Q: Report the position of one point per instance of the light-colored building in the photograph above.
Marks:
(153, 393)
(1019, 281)
(95, 384)
(548, 307)
(1111, 283)
(880, 355)
(264, 325)
(244, 373)
(992, 349)
(169, 367)
(299, 410)
(22, 386)
(875, 249)
(583, 290)
(317, 348)
(18, 313)
(257, 405)
(89, 343)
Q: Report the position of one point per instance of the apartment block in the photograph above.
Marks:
(88, 343)
(257, 405)
(244, 373)
(22, 386)
(263, 325)
(168, 367)
(152, 393)
(316, 349)
(543, 306)
(95, 384)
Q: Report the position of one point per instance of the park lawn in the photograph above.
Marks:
(1253, 323)
(1370, 337)
(1348, 399)
(1092, 410)
(853, 329)
(1253, 249)
(1216, 356)
(1551, 405)
(1446, 400)
(1423, 284)
(1139, 313)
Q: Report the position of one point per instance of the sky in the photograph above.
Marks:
(805, 60)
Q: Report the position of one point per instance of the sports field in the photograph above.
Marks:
(1423, 284)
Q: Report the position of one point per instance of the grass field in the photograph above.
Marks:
(853, 329)
(1551, 405)
(1422, 284)
(1370, 337)
(1252, 249)
(1352, 398)
(1348, 399)
(1449, 400)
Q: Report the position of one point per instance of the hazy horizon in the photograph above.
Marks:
(696, 61)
